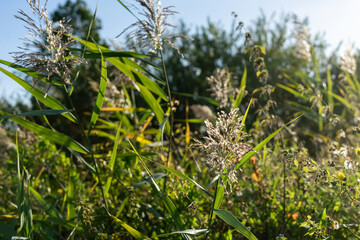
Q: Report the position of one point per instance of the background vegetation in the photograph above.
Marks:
(179, 134)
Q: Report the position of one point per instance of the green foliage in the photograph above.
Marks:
(123, 164)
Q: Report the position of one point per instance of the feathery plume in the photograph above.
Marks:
(302, 48)
(224, 145)
(220, 87)
(348, 62)
(45, 48)
(150, 31)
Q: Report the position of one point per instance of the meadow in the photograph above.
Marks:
(252, 134)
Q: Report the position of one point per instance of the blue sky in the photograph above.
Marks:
(338, 19)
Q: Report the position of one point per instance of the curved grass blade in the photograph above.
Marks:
(195, 232)
(219, 196)
(35, 113)
(154, 105)
(53, 136)
(162, 127)
(48, 208)
(23, 197)
(135, 233)
(30, 72)
(246, 113)
(230, 219)
(292, 91)
(329, 88)
(138, 77)
(148, 179)
(112, 161)
(100, 96)
(48, 101)
(169, 205)
(241, 93)
(127, 69)
(78, 156)
(261, 145)
(90, 53)
(128, 9)
(183, 176)
(343, 101)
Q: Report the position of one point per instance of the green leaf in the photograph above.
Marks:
(292, 91)
(183, 176)
(128, 9)
(261, 145)
(138, 77)
(154, 105)
(219, 196)
(48, 208)
(70, 195)
(37, 113)
(169, 205)
(187, 231)
(90, 53)
(100, 96)
(323, 218)
(162, 127)
(128, 70)
(329, 88)
(30, 72)
(55, 137)
(135, 233)
(112, 161)
(78, 156)
(241, 93)
(48, 100)
(246, 113)
(230, 219)
(148, 179)
(343, 101)
(23, 198)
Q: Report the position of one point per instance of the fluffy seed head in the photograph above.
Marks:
(224, 144)
(150, 32)
(45, 48)
(348, 62)
(220, 87)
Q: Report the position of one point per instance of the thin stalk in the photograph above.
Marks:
(213, 205)
(284, 196)
(88, 142)
(171, 113)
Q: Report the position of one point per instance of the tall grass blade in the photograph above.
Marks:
(261, 145)
(52, 136)
(48, 101)
(48, 208)
(195, 232)
(329, 89)
(30, 72)
(241, 93)
(100, 96)
(170, 207)
(135, 233)
(112, 161)
(128, 69)
(230, 219)
(246, 113)
(35, 113)
(23, 200)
